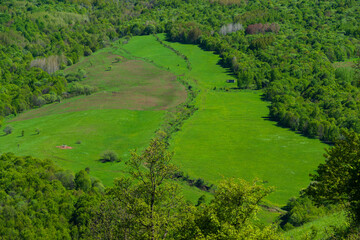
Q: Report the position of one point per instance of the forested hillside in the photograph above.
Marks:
(303, 56)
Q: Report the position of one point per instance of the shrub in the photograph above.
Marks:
(110, 156)
(8, 130)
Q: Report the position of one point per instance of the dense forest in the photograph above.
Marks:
(303, 55)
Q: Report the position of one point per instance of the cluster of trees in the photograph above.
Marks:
(38, 200)
(337, 180)
(262, 28)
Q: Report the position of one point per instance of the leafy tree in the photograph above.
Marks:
(230, 215)
(110, 156)
(145, 206)
(337, 180)
(82, 180)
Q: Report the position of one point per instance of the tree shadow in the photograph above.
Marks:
(277, 124)
(104, 160)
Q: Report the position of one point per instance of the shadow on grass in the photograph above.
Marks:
(277, 124)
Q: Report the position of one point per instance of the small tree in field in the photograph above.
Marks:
(8, 130)
(110, 156)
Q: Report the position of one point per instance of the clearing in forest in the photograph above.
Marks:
(229, 135)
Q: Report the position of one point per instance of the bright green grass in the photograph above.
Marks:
(229, 136)
(147, 47)
(98, 130)
(323, 227)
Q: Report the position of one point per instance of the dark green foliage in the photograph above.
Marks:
(110, 156)
(82, 181)
(337, 180)
(37, 199)
(303, 210)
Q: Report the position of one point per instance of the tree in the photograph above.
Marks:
(110, 156)
(231, 214)
(337, 180)
(82, 181)
(146, 205)
(8, 130)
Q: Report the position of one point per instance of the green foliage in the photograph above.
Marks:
(82, 181)
(110, 156)
(303, 210)
(230, 215)
(148, 206)
(337, 179)
(8, 130)
(37, 199)
(145, 206)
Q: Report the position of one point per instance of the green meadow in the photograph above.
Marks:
(229, 135)
(95, 130)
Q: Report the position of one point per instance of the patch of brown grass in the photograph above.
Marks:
(131, 84)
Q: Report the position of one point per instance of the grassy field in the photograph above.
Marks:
(229, 136)
(98, 130)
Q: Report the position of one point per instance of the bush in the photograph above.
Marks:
(8, 130)
(110, 156)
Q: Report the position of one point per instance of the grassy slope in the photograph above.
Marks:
(229, 134)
